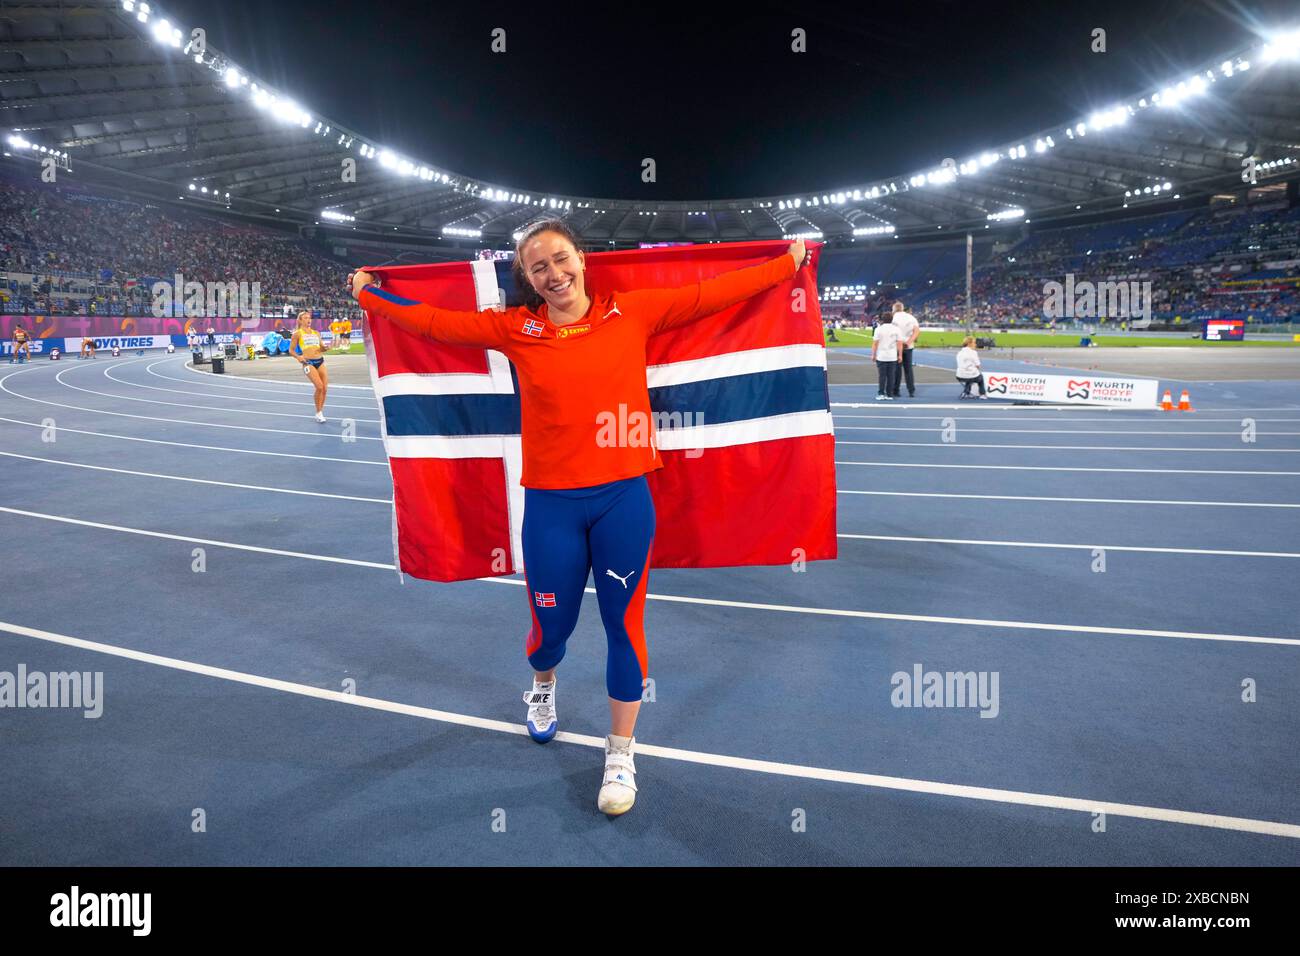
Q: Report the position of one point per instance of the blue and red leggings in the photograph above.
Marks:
(567, 534)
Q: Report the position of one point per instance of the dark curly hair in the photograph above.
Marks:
(530, 296)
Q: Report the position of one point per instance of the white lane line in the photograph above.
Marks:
(867, 537)
(198, 481)
(181, 444)
(186, 405)
(776, 768)
(1199, 419)
(295, 388)
(1235, 433)
(1142, 471)
(168, 421)
(189, 367)
(711, 602)
(1094, 501)
(965, 444)
(219, 397)
(189, 539)
(984, 543)
(982, 408)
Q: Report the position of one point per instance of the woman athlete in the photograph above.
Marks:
(21, 343)
(307, 348)
(587, 504)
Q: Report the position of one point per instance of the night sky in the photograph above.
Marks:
(711, 91)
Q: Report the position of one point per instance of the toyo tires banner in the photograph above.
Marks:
(1074, 390)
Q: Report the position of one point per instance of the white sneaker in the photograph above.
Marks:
(881, 398)
(320, 416)
(618, 790)
(542, 719)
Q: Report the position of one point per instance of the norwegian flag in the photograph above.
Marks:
(533, 327)
(544, 598)
(748, 478)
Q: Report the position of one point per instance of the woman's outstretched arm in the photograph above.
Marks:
(670, 308)
(486, 329)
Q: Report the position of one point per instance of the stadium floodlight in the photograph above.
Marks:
(387, 160)
(1116, 116)
(336, 216)
(1282, 46)
(874, 231)
(204, 190)
(1006, 214)
(18, 142)
(193, 187)
(986, 160)
(128, 5)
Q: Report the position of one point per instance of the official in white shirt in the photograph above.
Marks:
(969, 371)
(909, 329)
(886, 344)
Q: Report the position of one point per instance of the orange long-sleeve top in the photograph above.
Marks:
(574, 377)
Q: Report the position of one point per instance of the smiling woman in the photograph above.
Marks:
(579, 356)
(548, 267)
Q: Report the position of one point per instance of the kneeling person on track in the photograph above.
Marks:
(968, 368)
(307, 348)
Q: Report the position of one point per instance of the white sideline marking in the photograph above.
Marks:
(907, 784)
(154, 418)
(1194, 449)
(218, 396)
(713, 602)
(197, 481)
(1094, 501)
(189, 367)
(1143, 471)
(1042, 431)
(1073, 547)
(183, 444)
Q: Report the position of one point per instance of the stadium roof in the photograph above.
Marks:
(119, 94)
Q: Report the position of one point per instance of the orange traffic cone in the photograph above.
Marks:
(1185, 402)
(1167, 403)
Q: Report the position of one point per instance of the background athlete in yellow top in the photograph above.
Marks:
(22, 346)
(306, 346)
